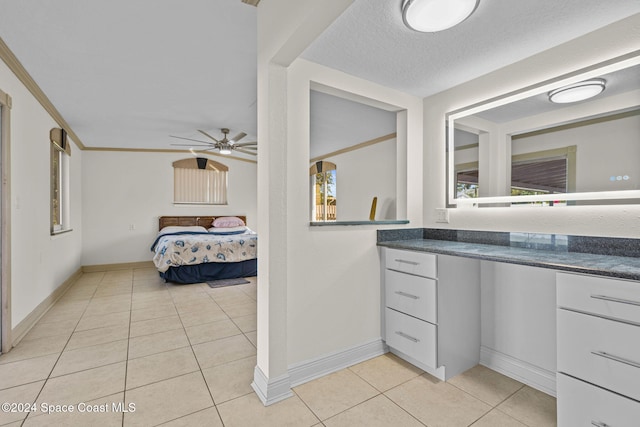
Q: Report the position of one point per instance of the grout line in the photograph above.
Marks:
(199, 367)
(186, 415)
(46, 380)
(383, 393)
(126, 366)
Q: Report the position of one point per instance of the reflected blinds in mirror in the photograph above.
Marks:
(540, 176)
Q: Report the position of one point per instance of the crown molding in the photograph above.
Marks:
(18, 69)
(168, 150)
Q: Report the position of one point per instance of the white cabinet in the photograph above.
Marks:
(582, 404)
(598, 351)
(431, 310)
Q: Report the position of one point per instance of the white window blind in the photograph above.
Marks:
(206, 185)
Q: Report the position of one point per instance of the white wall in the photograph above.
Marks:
(285, 29)
(39, 262)
(135, 188)
(333, 293)
(362, 175)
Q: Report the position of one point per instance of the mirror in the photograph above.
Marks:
(523, 149)
(352, 158)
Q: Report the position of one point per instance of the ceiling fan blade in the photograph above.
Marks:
(207, 135)
(190, 145)
(242, 150)
(238, 137)
(190, 139)
(246, 144)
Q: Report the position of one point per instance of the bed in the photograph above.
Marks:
(189, 250)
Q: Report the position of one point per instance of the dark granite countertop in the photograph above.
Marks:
(624, 267)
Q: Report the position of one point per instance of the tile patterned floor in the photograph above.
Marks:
(184, 356)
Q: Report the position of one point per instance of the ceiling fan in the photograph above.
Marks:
(224, 145)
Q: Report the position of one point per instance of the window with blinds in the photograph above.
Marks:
(200, 181)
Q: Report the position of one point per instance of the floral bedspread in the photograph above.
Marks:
(176, 249)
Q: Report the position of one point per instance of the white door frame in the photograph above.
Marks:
(5, 224)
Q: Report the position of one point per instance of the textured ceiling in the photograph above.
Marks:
(370, 40)
(128, 74)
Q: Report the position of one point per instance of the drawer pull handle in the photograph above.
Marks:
(616, 358)
(409, 337)
(404, 294)
(404, 261)
(613, 299)
(599, 424)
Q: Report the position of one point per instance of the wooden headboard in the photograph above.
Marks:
(203, 221)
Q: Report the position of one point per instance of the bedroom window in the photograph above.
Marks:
(199, 181)
(323, 191)
(60, 154)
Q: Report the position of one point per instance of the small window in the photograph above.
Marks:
(200, 181)
(323, 191)
(60, 154)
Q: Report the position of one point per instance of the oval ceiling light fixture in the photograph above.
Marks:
(429, 16)
(577, 91)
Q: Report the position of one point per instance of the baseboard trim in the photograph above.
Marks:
(115, 267)
(32, 318)
(271, 390)
(309, 370)
(526, 373)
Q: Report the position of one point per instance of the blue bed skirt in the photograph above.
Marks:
(210, 271)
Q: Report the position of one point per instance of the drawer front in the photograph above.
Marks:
(600, 351)
(410, 294)
(581, 404)
(411, 336)
(615, 298)
(419, 263)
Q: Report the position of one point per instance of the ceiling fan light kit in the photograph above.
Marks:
(429, 16)
(225, 145)
(577, 91)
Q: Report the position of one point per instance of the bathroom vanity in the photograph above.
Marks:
(433, 284)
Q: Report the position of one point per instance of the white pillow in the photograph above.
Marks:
(181, 229)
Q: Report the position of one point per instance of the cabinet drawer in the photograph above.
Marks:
(410, 294)
(419, 263)
(414, 337)
(599, 295)
(581, 404)
(600, 351)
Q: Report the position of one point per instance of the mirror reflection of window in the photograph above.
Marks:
(467, 184)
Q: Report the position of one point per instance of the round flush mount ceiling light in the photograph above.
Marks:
(429, 16)
(577, 91)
